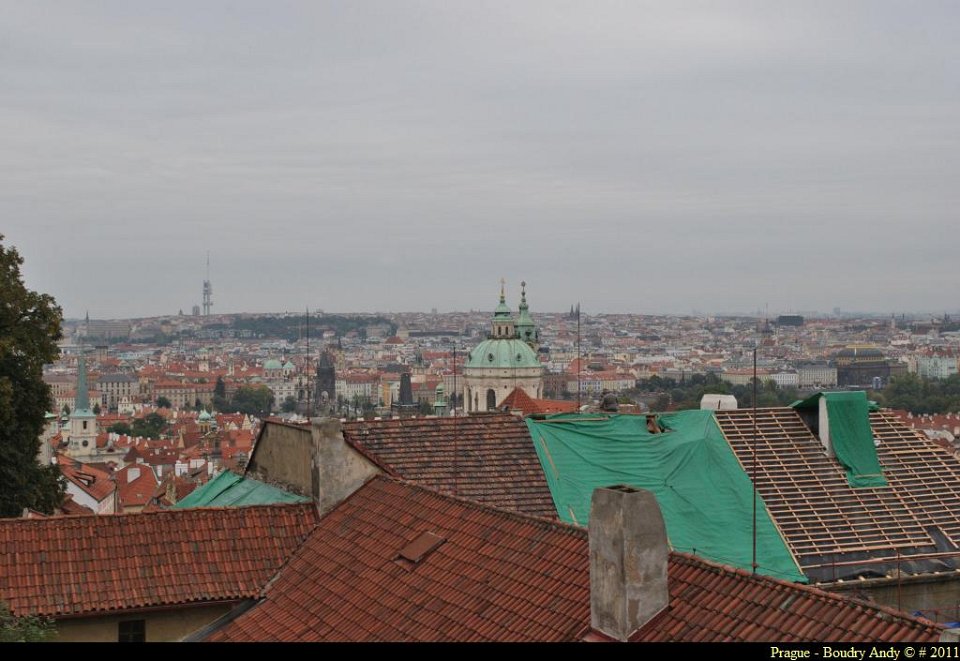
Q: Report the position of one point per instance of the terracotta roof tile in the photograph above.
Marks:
(497, 464)
(92, 481)
(521, 401)
(138, 491)
(502, 576)
(79, 565)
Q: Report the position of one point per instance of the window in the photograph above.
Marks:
(132, 631)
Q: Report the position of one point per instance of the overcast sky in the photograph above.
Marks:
(399, 155)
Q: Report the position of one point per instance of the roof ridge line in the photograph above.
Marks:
(178, 512)
(815, 591)
(472, 504)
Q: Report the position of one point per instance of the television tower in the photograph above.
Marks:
(207, 290)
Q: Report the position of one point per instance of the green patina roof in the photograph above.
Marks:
(204, 416)
(502, 311)
(273, 364)
(526, 329)
(82, 400)
(503, 354)
(289, 366)
(231, 490)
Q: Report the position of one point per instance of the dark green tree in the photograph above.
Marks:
(96, 409)
(29, 330)
(164, 403)
(24, 629)
(253, 400)
(151, 425)
(289, 404)
(220, 395)
(120, 428)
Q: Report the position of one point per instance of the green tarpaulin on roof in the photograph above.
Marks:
(704, 494)
(231, 490)
(848, 419)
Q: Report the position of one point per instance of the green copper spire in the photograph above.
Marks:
(526, 329)
(82, 400)
(502, 311)
(440, 403)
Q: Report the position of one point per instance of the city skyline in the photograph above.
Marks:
(641, 158)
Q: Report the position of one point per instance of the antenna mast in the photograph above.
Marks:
(207, 290)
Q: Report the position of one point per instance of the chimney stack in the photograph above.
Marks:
(823, 427)
(628, 560)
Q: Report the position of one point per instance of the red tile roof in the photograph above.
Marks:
(92, 481)
(138, 491)
(71, 508)
(716, 603)
(521, 401)
(82, 565)
(497, 464)
(375, 569)
(492, 579)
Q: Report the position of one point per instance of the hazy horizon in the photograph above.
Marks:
(638, 157)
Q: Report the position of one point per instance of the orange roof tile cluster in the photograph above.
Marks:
(496, 462)
(717, 603)
(137, 484)
(94, 482)
(942, 421)
(70, 507)
(63, 566)
(397, 562)
(518, 400)
(492, 578)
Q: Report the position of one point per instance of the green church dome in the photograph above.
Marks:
(273, 364)
(503, 354)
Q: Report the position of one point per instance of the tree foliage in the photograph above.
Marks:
(253, 400)
(220, 402)
(120, 428)
(151, 425)
(687, 395)
(293, 327)
(164, 403)
(289, 404)
(918, 395)
(24, 629)
(29, 330)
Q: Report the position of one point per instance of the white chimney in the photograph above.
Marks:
(133, 473)
(824, 428)
(628, 560)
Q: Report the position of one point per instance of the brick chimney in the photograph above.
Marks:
(628, 560)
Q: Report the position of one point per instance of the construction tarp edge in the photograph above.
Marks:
(231, 490)
(851, 437)
(704, 494)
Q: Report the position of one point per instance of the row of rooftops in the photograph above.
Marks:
(399, 562)
(349, 580)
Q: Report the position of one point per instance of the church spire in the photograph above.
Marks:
(82, 400)
(502, 317)
(525, 327)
